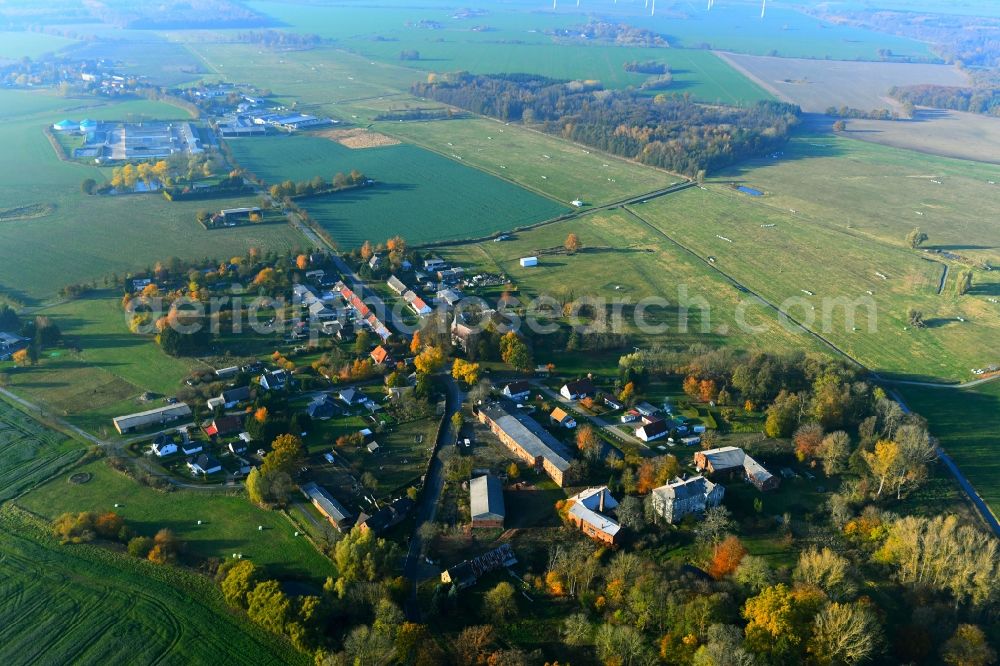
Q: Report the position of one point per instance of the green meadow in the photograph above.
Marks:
(17, 44)
(420, 195)
(625, 261)
(822, 273)
(229, 520)
(881, 192)
(537, 161)
(102, 369)
(82, 238)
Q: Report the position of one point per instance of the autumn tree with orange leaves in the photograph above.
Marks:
(727, 557)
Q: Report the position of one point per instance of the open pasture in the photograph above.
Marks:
(30, 452)
(537, 161)
(967, 421)
(420, 195)
(87, 237)
(882, 192)
(229, 520)
(624, 260)
(103, 368)
(822, 274)
(85, 605)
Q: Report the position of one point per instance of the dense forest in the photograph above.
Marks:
(668, 131)
(974, 100)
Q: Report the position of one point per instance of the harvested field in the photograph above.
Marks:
(357, 138)
(816, 85)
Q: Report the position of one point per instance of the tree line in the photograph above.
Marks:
(981, 100)
(317, 185)
(667, 131)
(279, 39)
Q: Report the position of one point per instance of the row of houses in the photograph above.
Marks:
(363, 312)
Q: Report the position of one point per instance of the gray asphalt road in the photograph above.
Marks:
(415, 568)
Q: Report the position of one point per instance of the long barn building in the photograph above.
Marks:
(526, 439)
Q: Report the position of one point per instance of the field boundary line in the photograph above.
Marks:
(742, 287)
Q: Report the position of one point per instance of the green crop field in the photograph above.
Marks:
(420, 195)
(967, 422)
(540, 162)
(229, 524)
(882, 192)
(516, 39)
(14, 45)
(786, 258)
(80, 238)
(103, 367)
(29, 452)
(372, 69)
(624, 260)
(87, 605)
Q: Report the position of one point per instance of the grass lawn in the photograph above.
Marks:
(229, 526)
(806, 267)
(968, 424)
(30, 452)
(420, 195)
(88, 237)
(624, 260)
(88, 605)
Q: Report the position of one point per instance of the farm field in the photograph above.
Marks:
(685, 25)
(537, 161)
(16, 44)
(816, 270)
(30, 452)
(141, 53)
(85, 605)
(514, 45)
(881, 192)
(420, 195)
(964, 136)
(90, 237)
(816, 85)
(230, 521)
(108, 373)
(967, 422)
(625, 260)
